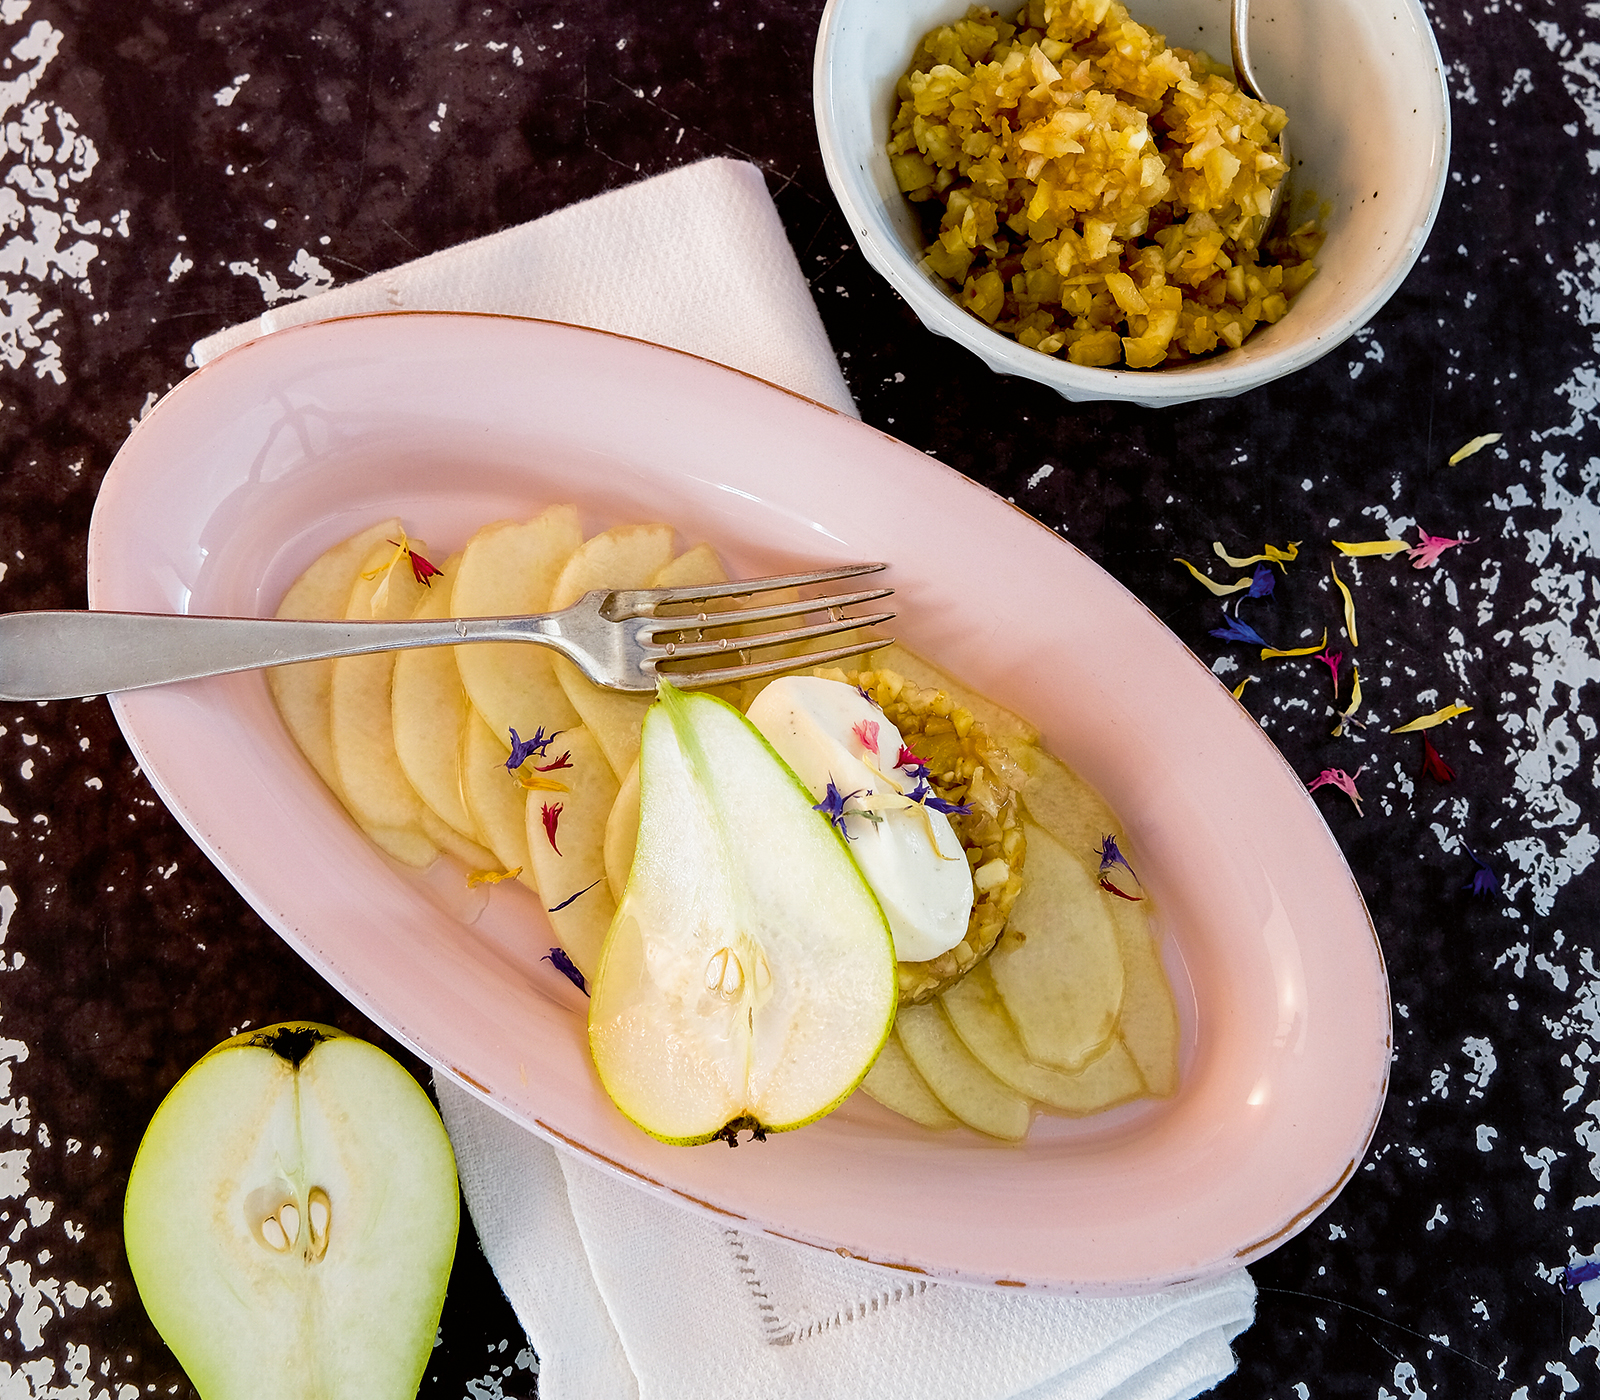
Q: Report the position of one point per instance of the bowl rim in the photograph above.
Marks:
(1149, 388)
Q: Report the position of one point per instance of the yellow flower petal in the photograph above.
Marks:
(538, 782)
(1429, 721)
(1271, 554)
(1476, 445)
(1349, 607)
(1217, 588)
(1267, 653)
(491, 877)
(1384, 547)
(1353, 706)
(1238, 690)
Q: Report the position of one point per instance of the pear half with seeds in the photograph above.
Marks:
(291, 1219)
(748, 978)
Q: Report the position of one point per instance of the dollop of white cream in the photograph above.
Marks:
(911, 856)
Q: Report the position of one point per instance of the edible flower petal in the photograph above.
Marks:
(1271, 553)
(924, 793)
(1433, 764)
(1476, 445)
(832, 807)
(550, 815)
(1267, 653)
(1348, 715)
(421, 569)
(1111, 858)
(1233, 630)
(491, 877)
(1349, 606)
(402, 549)
(1262, 582)
(1383, 547)
(524, 749)
(1110, 888)
(558, 958)
(1238, 690)
(1219, 589)
(1484, 880)
(557, 908)
(1436, 718)
(914, 765)
(1345, 782)
(1331, 660)
(1427, 553)
(866, 732)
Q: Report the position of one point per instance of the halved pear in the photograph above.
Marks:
(291, 1219)
(748, 980)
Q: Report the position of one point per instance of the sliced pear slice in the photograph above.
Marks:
(1057, 966)
(498, 803)
(894, 1082)
(430, 711)
(507, 569)
(291, 1218)
(979, 1018)
(302, 692)
(748, 979)
(361, 715)
(622, 833)
(1149, 1020)
(566, 846)
(629, 556)
(977, 1097)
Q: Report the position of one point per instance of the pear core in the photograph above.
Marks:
(748, 979)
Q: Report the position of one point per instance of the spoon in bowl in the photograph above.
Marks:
(1239, 35)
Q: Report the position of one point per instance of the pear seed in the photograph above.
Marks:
(272, 1233)
(319, 1208)
(289, 1220)
(725, 974)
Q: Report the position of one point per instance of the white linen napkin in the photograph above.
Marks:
(624, 1295)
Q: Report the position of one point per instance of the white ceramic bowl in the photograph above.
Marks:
(1369, 115)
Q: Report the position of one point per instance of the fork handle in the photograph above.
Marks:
(66, 655)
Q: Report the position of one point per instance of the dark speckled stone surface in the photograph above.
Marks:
(170, 162)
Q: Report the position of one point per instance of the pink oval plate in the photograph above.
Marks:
(255, 464)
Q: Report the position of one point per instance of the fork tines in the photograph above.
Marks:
(678, 637)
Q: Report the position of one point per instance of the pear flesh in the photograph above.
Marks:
(748, 979)
(291, 1219)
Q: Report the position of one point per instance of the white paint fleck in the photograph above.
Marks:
(1040, 475)
(314, 278)
(178, 267)
(224, 96)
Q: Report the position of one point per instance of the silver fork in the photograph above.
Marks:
(618, 639)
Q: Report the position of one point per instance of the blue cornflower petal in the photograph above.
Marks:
(566, 967)
(1262, 582)
(524, 749)
(1233, 630)
(832, 807)
(1484, 880)
(1111, 857)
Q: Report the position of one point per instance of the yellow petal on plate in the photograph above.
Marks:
(1217, 588)
(1430, 721)
(1238, 690)
(1271, 554)
(1365, 547)
(1267, 653)
(1476, 445)
(490, 877)
(1349, 607)
(1355, 701)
